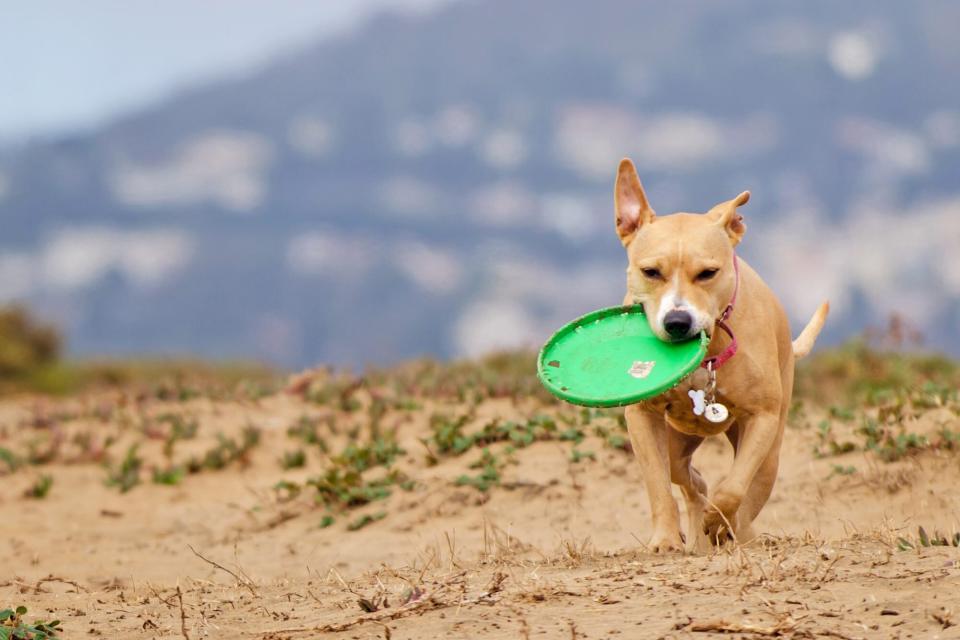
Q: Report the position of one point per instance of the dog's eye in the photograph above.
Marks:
(706, 274)
(653, 274)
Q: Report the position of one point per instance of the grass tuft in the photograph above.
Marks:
(40, 487)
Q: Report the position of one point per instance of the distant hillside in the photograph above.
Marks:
(442, 183)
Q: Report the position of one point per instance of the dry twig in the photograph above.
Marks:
(183, 614)
(723, 626)
(53, 578)
(417, 606)
(244, 581)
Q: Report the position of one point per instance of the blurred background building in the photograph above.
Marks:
(364, 181)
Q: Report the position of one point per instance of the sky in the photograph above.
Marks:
(66, 66)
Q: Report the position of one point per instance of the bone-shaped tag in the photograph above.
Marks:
(699, 401)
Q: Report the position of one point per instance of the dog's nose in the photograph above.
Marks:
(677, 323)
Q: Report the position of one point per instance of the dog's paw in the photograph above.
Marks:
(720, 516)
(719, 527)
(666, 542)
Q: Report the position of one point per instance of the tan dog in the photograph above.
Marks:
(682, 269)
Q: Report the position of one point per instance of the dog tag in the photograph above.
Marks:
(716, 412)
(699, 403)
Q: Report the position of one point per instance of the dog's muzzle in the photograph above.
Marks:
(677, 324)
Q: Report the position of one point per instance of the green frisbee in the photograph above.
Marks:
(611, 358)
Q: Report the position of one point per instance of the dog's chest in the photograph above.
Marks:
(677, 407)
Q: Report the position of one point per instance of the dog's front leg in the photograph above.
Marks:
(760, 434)
(648, 433)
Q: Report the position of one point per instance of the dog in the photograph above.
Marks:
(684, 271)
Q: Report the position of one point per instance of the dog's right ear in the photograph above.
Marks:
(631, 208)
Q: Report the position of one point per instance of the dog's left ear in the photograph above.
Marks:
(726, 216)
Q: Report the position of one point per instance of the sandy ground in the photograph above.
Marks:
(554, 551)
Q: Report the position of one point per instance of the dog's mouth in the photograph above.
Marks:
(666, 337)
(692, 334)
(680, 339)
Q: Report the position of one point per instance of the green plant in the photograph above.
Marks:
(576, 455)
(614, 439)
(337, 391)
(572, 434)
(925, 540)
(14, 627)
(293, 459)
(841, 470)
(827, 443)
(888, 444)
(26, 345)
(796, 413)
(489, 475)
(365, 519)
(341, 489)
(226, 451)
(448, 436)
(40, 488)
(948, 439)
(180, 429)
(306, 428)
(10, 460)
(127, 475)
(589, 414)
(172, 475)
(507, 374)
(286, 490)
(44, 450)
(842, 413)
(856, 373)
(381, 451)
(518, 434)
(934, 394)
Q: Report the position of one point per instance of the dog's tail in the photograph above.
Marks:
(804, 342)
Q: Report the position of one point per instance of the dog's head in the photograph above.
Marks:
(680, 267)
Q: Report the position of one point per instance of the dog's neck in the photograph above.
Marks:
(714, 362)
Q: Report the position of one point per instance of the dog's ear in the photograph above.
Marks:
(726, 216)
(631, 209)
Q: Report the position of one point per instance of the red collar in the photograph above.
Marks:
(717, 361)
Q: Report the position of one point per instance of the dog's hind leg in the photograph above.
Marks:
(691, 483)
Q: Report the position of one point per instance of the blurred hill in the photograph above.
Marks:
(442, 183)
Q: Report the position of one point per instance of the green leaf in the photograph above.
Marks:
(364, 520)
(924, 539)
